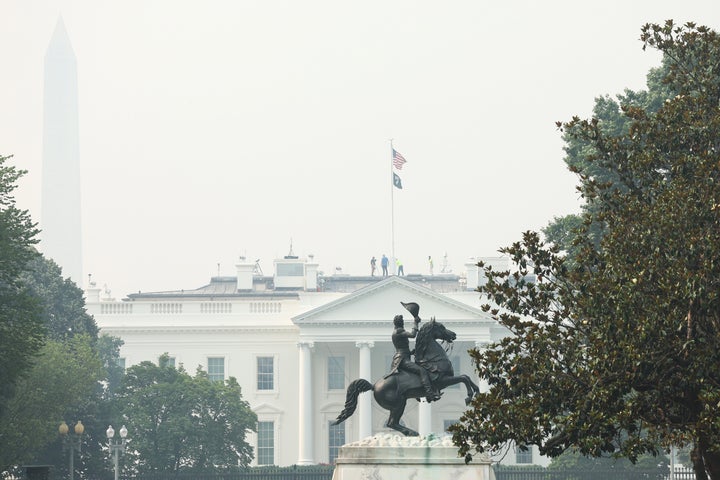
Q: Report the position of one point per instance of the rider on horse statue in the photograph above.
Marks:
(394, 390)
(401, 360)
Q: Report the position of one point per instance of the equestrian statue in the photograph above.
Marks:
(425, 377)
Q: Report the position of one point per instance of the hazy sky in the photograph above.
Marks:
(214, 129)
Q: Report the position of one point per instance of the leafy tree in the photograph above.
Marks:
(617, 352)
(21, 326)
(608, 113)
(183, 423)
(62, 310)
(49, 364)
(65, 317)
(97, 410)
(62, 300)
(109, 351)
(62, 376)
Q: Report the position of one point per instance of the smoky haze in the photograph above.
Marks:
(218, 129)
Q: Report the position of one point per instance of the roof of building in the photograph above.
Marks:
(219, 287)
(264, 287)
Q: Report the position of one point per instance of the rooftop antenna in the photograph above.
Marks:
(218, 269)
(291, 254)
(257, 270)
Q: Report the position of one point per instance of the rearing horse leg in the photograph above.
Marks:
(394, 420)
(470, 386)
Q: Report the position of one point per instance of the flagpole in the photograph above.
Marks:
(392, 210)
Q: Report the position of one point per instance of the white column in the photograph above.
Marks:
(307, 436)
(365, 399)
(424, 417)
(481, 345)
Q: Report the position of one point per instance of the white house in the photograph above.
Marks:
(296, 339)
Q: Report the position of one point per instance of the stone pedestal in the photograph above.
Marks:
(393, 457)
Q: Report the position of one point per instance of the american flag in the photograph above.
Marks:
(398, 159)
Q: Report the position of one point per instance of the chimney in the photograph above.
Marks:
(311, 274)
(244, 275)
(92, 294)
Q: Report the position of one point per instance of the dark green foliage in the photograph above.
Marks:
(109, 351)
(21, 327)
(608, 113)
(62, 300)
(63, 375)
(616, 352)
(49, 366)
(183, 423)
(64, 316)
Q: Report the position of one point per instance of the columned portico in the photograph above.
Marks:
(305, 404)
(365, 400)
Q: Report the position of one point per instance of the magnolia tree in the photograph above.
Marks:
(616, 347)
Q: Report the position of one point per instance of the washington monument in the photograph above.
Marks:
(60, 220)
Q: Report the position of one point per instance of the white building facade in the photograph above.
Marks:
(295, 340)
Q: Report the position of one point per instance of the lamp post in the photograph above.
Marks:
(73, 441)
(116, 446)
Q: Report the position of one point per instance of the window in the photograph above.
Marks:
(336, 373)
(265, 373)
(121, 363)
(216, 368)
(336, 439)
(290, 269)
(523, 456)
(266, 443)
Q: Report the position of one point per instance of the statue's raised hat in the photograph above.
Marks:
(413, 308)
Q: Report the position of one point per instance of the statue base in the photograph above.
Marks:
(392, 457)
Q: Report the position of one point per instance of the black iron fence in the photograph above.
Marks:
(325, 472)
(540, 473)
(310, 472)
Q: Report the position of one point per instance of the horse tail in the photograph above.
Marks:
(354, 390)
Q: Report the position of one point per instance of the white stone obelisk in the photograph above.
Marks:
(61, 237)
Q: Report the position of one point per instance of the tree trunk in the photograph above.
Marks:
(698, 464)
(710, 459)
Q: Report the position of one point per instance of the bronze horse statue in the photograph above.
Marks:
(393, 391)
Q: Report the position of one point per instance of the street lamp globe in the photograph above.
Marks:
(116, 447)
(71, 441)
